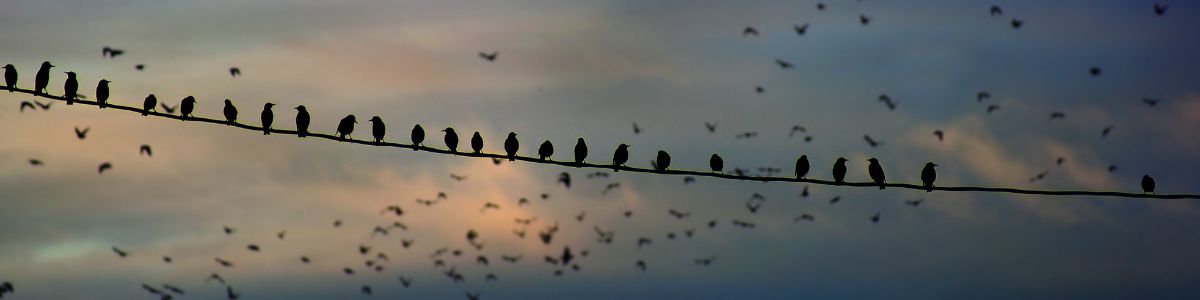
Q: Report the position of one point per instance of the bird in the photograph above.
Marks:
(712, 127)
(187, 106)
(1016, 23)
(490, 57)
(928, 175)
(641, 264)
(800, 29)
(820, 6)
(875, 218)
(581, 152)
(110, 52)
(1147, 184)
(716, 163)
(253, 247)
(1057, 115)
(1151, 102)
(267, 117)
(417, 136)
(871, 141)
(149, 104)
(119, 252)
(302, 121)
(235, 72)
(982, 95)
(451, 139)
(995, 11)
(230, 112)
(804, 217)
(636, 129)
(378, 129)
(223, 263)
(939, 134)
(802, 167)
(914, 202)
(749, 31)
(476, 142)
(565, 179)
(229, 293)
(864, 20)
(839, 171)
(473, 296)
(139, 67)
(663, 161)
(1104, 132)
(1094, 71)
(1160, 9)
(169, 109)
(82, 134)
(992, 108)
(346, 126)
(891, 105)
(145, 150)
(10, 77)
(366, 290)
(27, 104)
(759, 90)
(42, 79)
(876, 172)
(784, 64)
(511, 145)
(71, 88)
(620, 157)
(545, 150)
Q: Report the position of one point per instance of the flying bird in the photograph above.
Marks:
(1016, 23)
(759, 90)
(1057, 115)
(119, 252)
(982, 95)
(417, 136)
(636, 129)
(346, 126)
(1094, 71)
(490, 57)
(716, 163)
(802, 166)
(378, 129)
(149, 104)
(749, 31)
(800, 29)
(1104, 132)
(169, 109)
(42, 79)
(992, 108)
(476, 142)
(546, 150)
(28, 104)
(1160, 9)
(110, 52)
(995, 11)
(928, 175)
(223, 263)
(939, 134)
(145, 150)
(82, 134)
(864, 20)
(839, 171)
(784, 64)
(71, 88)
(871, 141)
(104, 167)
(1151, 102)
(235, 72)
(875, 218)
(663, 161)
(511, 145)
(712, 127)
(565, 179)
(914, 202)
(620, 157)
(581, 152)
(302, 121)
(1147, 184)
(891, 105)
(820, 6)
(230, 112)
(876, 172)
(267, 117)
(139, 67)
(451, 139)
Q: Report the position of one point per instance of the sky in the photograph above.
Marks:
(570, 69)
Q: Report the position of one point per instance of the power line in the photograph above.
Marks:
(628, 168)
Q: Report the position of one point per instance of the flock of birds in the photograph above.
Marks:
(442, 258)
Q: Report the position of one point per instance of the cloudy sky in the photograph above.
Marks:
(570, 69)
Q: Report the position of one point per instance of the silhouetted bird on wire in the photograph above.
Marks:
(928, 175)
(1147, 184)
(42, 79)
(346, 126)
(716, 163)
(839, 171)
(378, 129)
(802, 166)
(546, 150)
(149, 104)
(71, 88)
(476, 142)
(876, 172)
(267, 117)
(581, 152)
(417, 135)
(451, 139)
(620, 157)
(187, 106)
(662, 161)
(302, 121)
(230, 112)
(10, 77)
(511, 145)
(102, 93)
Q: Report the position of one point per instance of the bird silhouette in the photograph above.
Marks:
(1151, 102)
(928, 175)
(546, 150)
(1104, 132)
(1147, 184)
(10, 77)
(145, 150)
(253, 248)
(223, 263)
(235, 72)
(104, 167)
(71, 88)
(119, 252)
(749, 31)
(230, 294)
(992, 108)
(864, 20)
(139, 67)
(914, 202)
(636, 129)
(110, 52)
(982, 95)
(995, 11)
(565, 179)
(476, 142)
(417, 136)
(620, 157)
(800, 29)
(716, 163)
(784, 64)
(820, 6)
(366, 290)
(939, 134)
(891, 105)
(875, 218)
(712, 127)
(839, 171)
(1016, 23)
(876, 172)
(451, 139)
(27, 104)
(149, 104)
(346, 126)
(170, 110)
(802, 166)
(82, 134)
(378, 129)
(511, 145)
(1094, 71)
(230, 112)
(804, 217)
(759, 90)
(187, 106)
(302, 121)
(1057, 115)
(267, 117)
(1160, 9)
(871, 142)
(490, 57)
(662, 161)
(581, 152)
(473, 296)
(42, 79)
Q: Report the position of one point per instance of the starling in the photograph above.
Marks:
(42, 79)
(302, 121)
(876, 172)
(10, 77)
(230, 112)
(1147, 184)
(716, 163)
(149, 105)
(378, 129)
(451, 139)
(476, 142)
(620, 157)
(802, 166)
(928, 175)
(418, 136)
(662, 161)
(102, 93)
(839, 171)
(580, 151)
(268, 117)
(546, 150)
(346, 126)
(187, 106)
(511, 145)
(71, 88)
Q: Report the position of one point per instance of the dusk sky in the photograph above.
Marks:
(591, 69)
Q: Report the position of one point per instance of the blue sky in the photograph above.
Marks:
(571, 69)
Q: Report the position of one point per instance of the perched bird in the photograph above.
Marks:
(490, 57)
(928, 175)
(102, 92)
(939, 134)
(267, 117)
(476, 142)
(235, 72)
(620, 157)
(149, 104)
(995, 11)
(876, 172)
(71, 88)
(1160, 9)
(230, 112)
(716, 163)
(302, 121)
(581, 151)
(749, 31)
(82, 134)
(10, 77)
(1147, 184)
(800, 29)
(546, 150)
(417, 135)
(378, 129)
(346, 126)
(451, 139)
(187, 106)
(42, 79)
(839, 171)
(663, 161)
(802, 166)
(511, 145)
